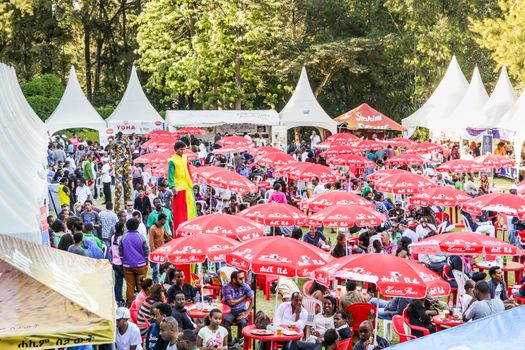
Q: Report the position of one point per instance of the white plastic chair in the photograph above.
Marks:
(466, 223)
(310, 305)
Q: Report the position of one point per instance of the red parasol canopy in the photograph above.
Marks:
(404, 183)
(366, 145)
(275, 159)
(400, 142)
(190, 131)
(440, 196)
(351, 160)
(235, 141)
(425, 147)
(338, 150)
(266, 150)
(346, 216)
(277, 256)
(366, 117)
(327, 199)
(225, 179)
(275, 214)
(341, 138)
(378, 175)
(463, 243)
(495, 161)
(394, 276)
(285, 169)
(459, 166)
(407, 159)
(159, 133)
(231, 149)
(160, 142)
(505, 203)
(231, 226)
(305, 171)
(193, 249)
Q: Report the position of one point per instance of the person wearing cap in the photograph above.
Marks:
(128, 334)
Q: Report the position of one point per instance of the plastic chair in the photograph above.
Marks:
(310, 305)
(361, 312)
(412, 327)
(345, 344)
(307, 285)
(398, 323)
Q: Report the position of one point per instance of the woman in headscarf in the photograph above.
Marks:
(92, 249)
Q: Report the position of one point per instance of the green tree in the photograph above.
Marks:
(43, 93)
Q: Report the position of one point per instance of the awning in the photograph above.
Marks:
(366, 117)
(50, 298)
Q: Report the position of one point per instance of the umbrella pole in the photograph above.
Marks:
(376, 317)
(201, 273)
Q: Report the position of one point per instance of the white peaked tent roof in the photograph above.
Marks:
(303, 109)
(134, 105)
(443, 100)
(502, 99)
(74, 109)
(514, 119)
(468, 109)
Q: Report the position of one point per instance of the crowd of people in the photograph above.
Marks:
(85, 173)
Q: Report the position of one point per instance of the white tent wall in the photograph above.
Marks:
(443, 100)
(74, 110)
(514, 119)
(21, 168)
(501, 100)
(210, 118)
(134, 113)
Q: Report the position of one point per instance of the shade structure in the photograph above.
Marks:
(404, 183)
(399, 142)
(275, 214)
(285, 170)
(328, 199)
(393, 276)
(440, 196)
(278, 256)
(159, 133)
(384, 173)
(232, 149)
(266, 150)
(494, 161)
(231, 226)
(464, 243)
(425, 147)
(51, 298)
(225, 179)
(504, 203)
(153, 157)
(366, 117)
(341, 138)
(193, 249)
(275, 159)
(460, 166)
(351, 160)
(338, 150)
(368, 145)
(235, 141)
(308, 171)
(521, 187)
(161, 142)
(407, 159)
(190, 131)
(323, 145)
(346, 216)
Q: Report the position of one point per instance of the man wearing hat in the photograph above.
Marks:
(128, 334)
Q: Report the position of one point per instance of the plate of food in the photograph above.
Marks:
(261, 332)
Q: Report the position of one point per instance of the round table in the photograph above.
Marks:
(439, 322)
(511, 266)
(271, 340)
(197, 313)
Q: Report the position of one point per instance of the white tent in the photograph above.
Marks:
(514, 119)
(469, 109)
(134, 113)
(74, 110)
(502, 99)
(209, 118)
(443, 100)
(22, 169)
(303, 109)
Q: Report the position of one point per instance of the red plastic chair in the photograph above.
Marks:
(399, 328)
(345, 344)
(412, 327)
(361, 312)
(454, 291)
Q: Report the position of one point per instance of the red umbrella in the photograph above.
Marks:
(459, 166)
(324, 144)
(225, 179)
(404, 183)
(306, 171)
(338, 150)
(352, 160)
(521, 187)
(285, 170)
(365, 145)
(505, 203)
(400, 142)
(495, 161)
(275, 214)
(266, 150)
(193, 249)
(231, 149)
(331, 198)
(346, 216)
(463, 243)
(152, 157)
(341, 138)
(277, 256)
(407, 159)
(159, 133)
(393, 276)
(275, 159)
(160, 142)
(441, 196)
(425, 147)
(232, 226)
(235, 141)
(384, 173)
(190, 131)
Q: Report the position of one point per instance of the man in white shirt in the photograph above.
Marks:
(406, 232)
(105, 177)
(424, 229)
(82, 192)
(470, 187)
(292, 312)
(314, 139)
(318, 187)
(128, 334)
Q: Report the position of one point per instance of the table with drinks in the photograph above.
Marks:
(448, 319)
(272, 335)
(201, 310)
